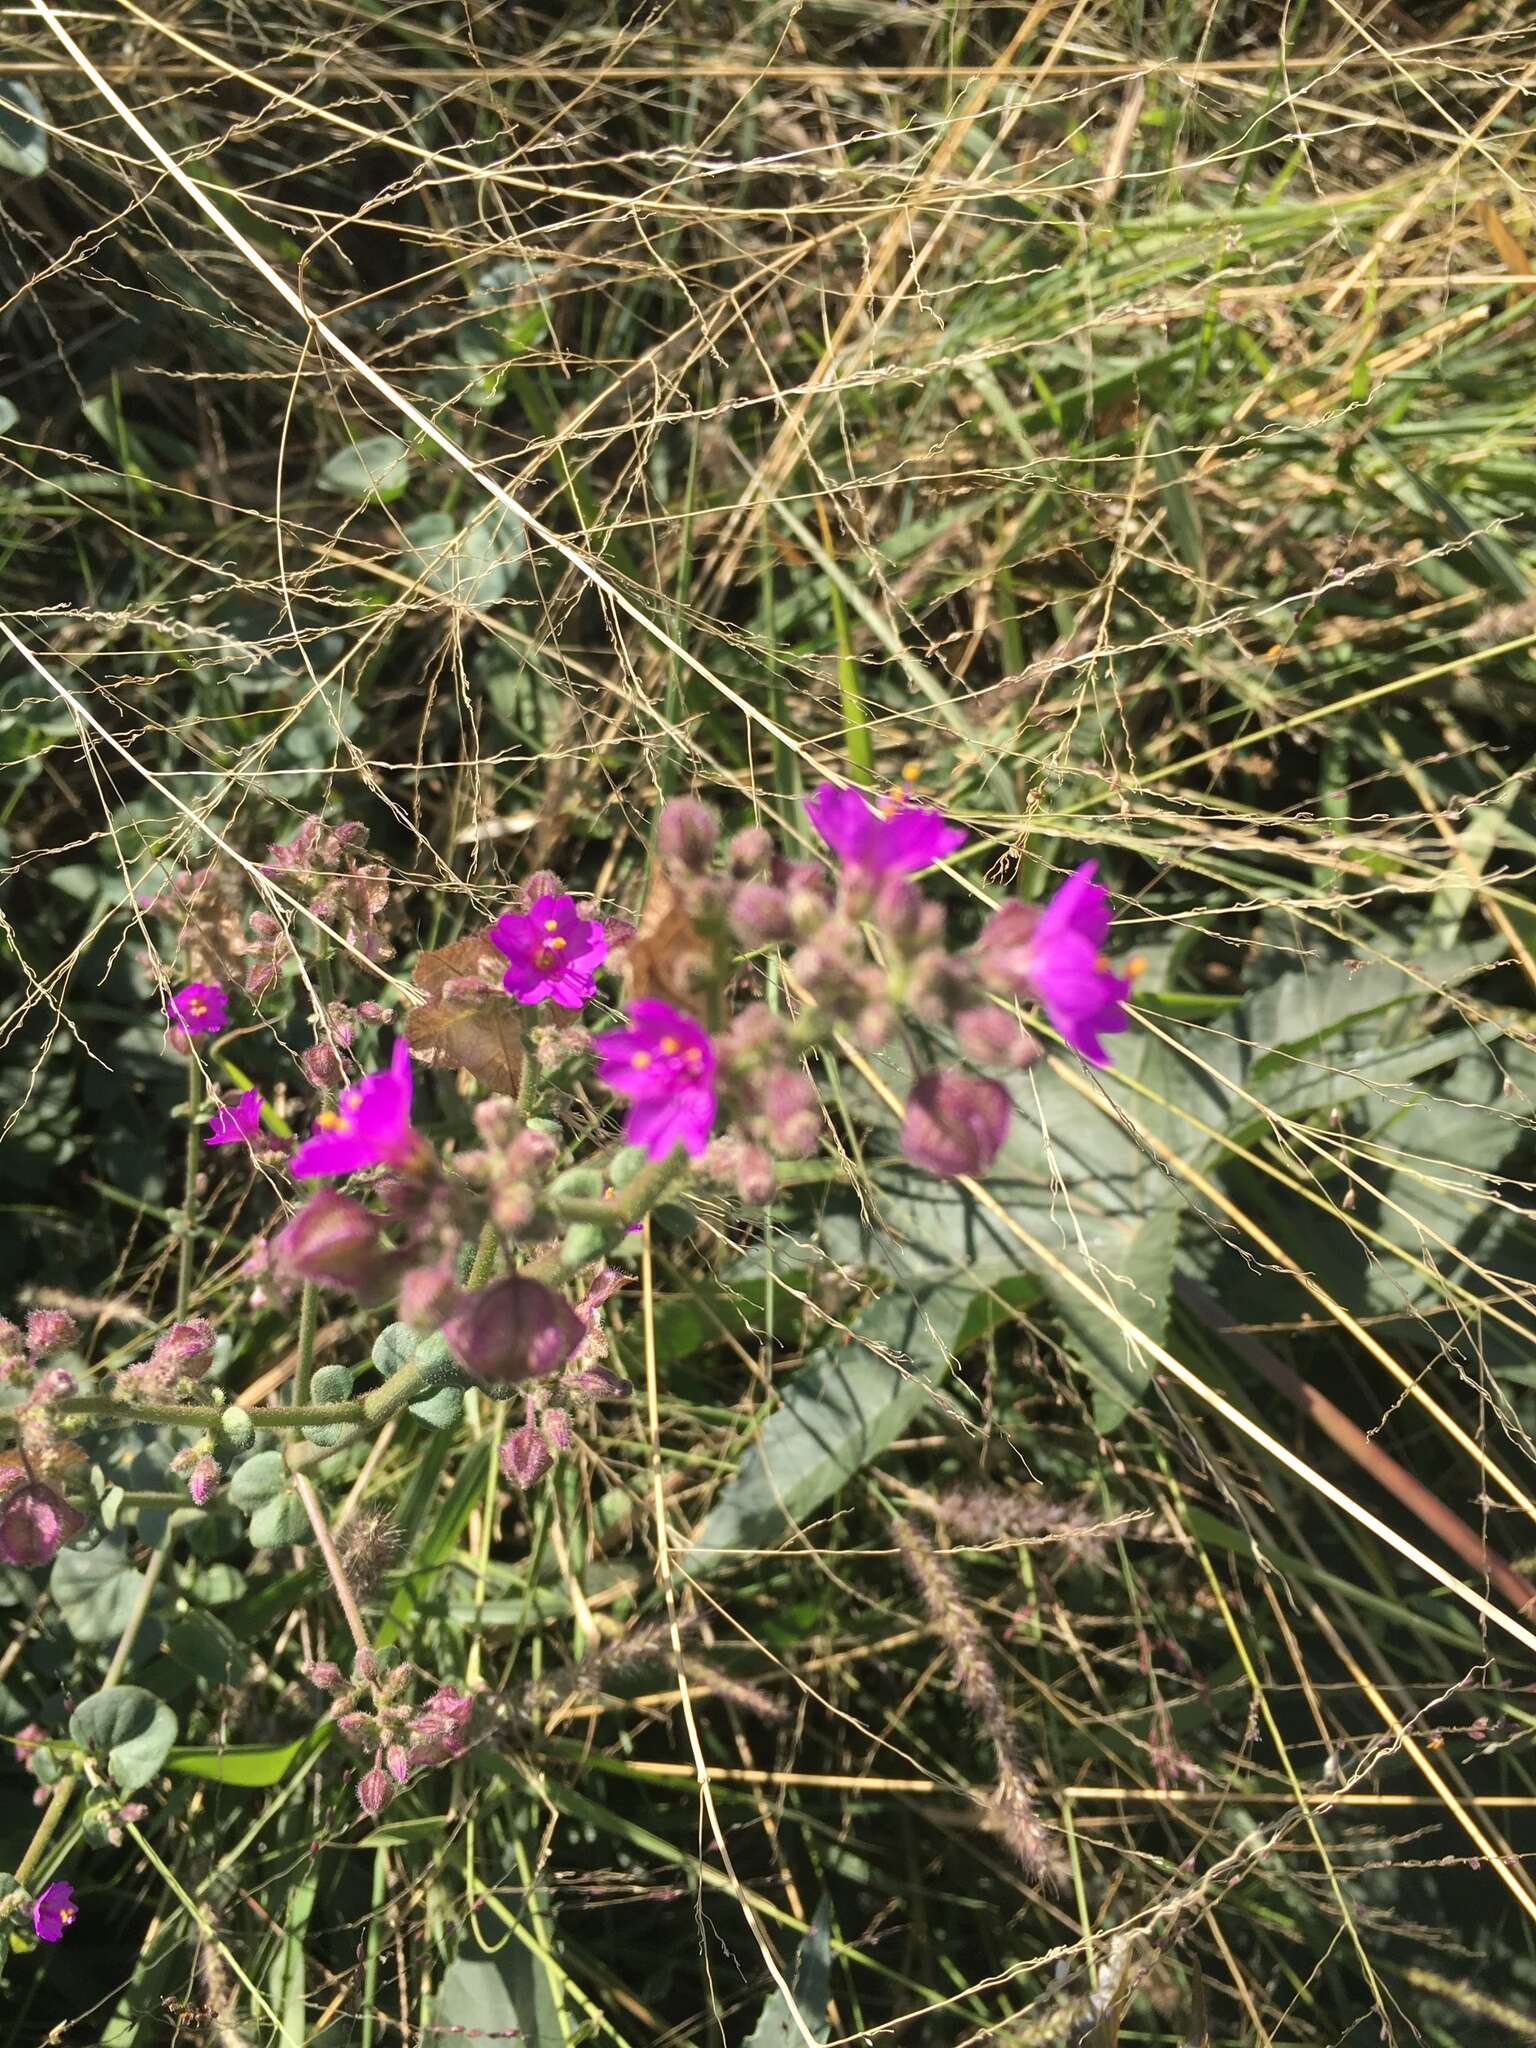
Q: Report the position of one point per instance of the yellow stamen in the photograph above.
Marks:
(669, 1044)
(640, 1059)
(551, 924)
(328, 1120)
(911, 770)
(557, 945)
(1137, 964)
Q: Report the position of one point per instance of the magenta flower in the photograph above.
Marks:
(665, 1064)
(893, 837)
(53, 1910)
(955, 1123)
(552, 952)
(236, 1123)
(1055, 955)
(370, 1125)
(198, 1009)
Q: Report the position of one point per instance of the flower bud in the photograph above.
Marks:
(955, 1123)
(686, 833)
(185, 1350)
(359, 1729)
(325, 1676)
(203, 1480)
(58, 1383)
(599, 1383)
(50, 1330)
(264, 924)
(397, 1761)
(34, 1521)
(513, 1330)
(750, 852)
(524, 1457)
(760, 914)
(332, 1240)
(322, 1069)
(556, 1425)
(994, 1037)
(12, 1344)
(427, 1294)
(792, 1110)
(374, 1792)
(752, 1171)
(908, 921)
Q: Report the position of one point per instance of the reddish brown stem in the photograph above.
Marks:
(1452, 1531)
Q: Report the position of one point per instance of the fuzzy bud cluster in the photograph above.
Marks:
(174, 1367)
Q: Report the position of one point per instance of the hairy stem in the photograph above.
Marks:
(189, 1192)
(309, 1315)
(327, 1548)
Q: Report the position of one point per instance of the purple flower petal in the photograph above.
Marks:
(664, 1062)
(897, 837)
(53, 1910)
(552, 952)
(199, 1009)
(370, 1125)
(237, 1121)
(1055, 956)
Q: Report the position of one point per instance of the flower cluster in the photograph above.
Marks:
(372, 1714)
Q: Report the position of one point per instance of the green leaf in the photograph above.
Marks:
(505, 1995)
(23, 130)
(472, 564)
(1139, 1283)
(95, 1591)
(840, 1411)
(279, 1520)
(258, 1480)
(8, 415)
(394, 1347)
(129, 1730)
(811, 1982)
(255, 1765)
(378, 466)
(440, 1410)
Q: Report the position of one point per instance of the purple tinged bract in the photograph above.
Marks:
(237, 1122)
(34, 1521)
(1056, 955)
(370, 1125)
(893, 837)
(955, 1123)
(516, 1329)
(552, 952)
(664, 1062)
(198, 1009)
(53, 1910)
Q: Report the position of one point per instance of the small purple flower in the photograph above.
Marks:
(893, 837)
(198, 1009)
(955, 1123)
(237, 1122)
(552, 952)
(370, 1125)
(1055, 955)
(665, 1064)
(53, 1910)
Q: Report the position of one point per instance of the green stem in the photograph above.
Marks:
(189, 1192)
(42, 1834)
(309, 1313)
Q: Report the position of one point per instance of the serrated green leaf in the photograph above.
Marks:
(377, 467)
(128, 1731)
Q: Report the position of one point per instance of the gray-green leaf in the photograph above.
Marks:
(95, 1591)
(128, 1729)
(378, 466)
(812, 1982)
(279, 1520)
(23, 130)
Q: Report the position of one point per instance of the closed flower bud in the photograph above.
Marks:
(599, 1383)
(322, 1069)
(203, 1480)
(361, 1730)
(793, 1113)
(752, 1171)
(185, 1350)
(906, 919)
(525, 1457)
(50, 1330)
(374, 1792)
(955, 1123)
(994, 1037)
(326, 1676)
(332, 1240)
(397, 1761)
(56, 1384)
(556, 1425)
(750, 852)
(513, 1330)
(427, 1294)
(760, 914)
(686, 833)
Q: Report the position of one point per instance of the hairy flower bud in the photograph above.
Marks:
(760, 914)
(955, 1123)
(34, 1521)
(994, 1037)
(516, 1329)
(50, 1330)
(397, 1761)
(524, 1457)
(686, 833)
(203, 1480)
(792, 1111)
(599, 1383)
(326, 1676)
(556, 1425)
(185, 1350)
(750, 852)
(374, 1792)
(332, 1240)
(427, 1294)
(322, 1069)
